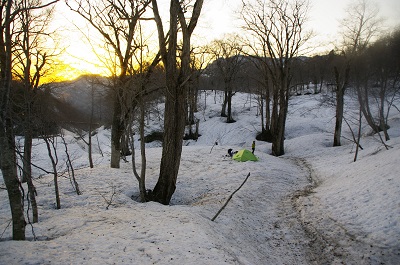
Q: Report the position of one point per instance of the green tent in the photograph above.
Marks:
(244, 155)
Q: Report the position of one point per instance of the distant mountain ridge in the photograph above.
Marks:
(86, 94)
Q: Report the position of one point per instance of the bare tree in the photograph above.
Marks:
(382, 63)
(142, 78)
(9, 11)
(228, 59)
(199, 60)
(32, 58)
(86, 137)
(359, 27)
(7, 139)
(70, 167)
(277, 27)
(177, 85)
(51, 144)
(260, 74)
(342, 76)
(117, 22)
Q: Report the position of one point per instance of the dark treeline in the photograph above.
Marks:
(378, 64)
(74, 105)
(70, 104)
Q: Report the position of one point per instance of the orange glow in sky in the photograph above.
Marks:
(218, 18)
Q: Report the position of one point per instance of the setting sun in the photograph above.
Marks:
(70, 68)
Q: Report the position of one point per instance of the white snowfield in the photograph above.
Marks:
(313, 205)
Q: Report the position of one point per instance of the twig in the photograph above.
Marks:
(109, 201)
(357, 142)
(215, 143)
(230, 197)
(9, 223)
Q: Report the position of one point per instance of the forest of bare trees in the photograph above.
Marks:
(269, 64)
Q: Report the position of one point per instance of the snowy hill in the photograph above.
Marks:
(313, 205)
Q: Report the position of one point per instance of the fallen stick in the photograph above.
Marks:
(230, 197)
(216, 143)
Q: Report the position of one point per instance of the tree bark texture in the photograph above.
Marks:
(279, 112)
(9, 171)
(174, 127)
(117, 129)
(176, 94)
(341, 84)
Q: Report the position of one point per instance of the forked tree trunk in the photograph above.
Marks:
(52, 153)
(176, 95)
(363, 98)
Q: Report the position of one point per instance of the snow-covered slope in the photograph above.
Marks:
(346, 211)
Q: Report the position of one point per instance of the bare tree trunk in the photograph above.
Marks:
(52, 152)
(363, 98)
(358, 136)
(9, 171)
(90, 129)
(175, 104)
(224, 104)
(341, 83)
(142, 182)
(27, 171)
(174, 126)
(174, 116)
(279, 121)
(382, 97)
(229, 118)
(278, 29)
(266, 134)
(142, 177)
(117, 24)
(117, 130)
(26, 159)
(90, 147)
(339, 116)
(70, 167)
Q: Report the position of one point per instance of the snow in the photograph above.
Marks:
(313, 205)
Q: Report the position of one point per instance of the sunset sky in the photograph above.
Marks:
(219, 17)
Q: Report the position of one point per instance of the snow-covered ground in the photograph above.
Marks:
(313, 205)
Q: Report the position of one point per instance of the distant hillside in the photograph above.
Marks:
(85, 94)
